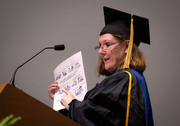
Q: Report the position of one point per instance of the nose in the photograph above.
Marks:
(101, 51)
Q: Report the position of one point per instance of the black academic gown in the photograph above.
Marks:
(106, 103)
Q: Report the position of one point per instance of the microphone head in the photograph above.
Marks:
(59, 47)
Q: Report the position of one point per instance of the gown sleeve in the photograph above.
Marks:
(106, 104)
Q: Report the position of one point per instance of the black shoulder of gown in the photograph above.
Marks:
(117, 101)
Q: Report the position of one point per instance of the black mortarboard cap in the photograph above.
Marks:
(118, 22)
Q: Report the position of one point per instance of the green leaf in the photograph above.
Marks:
(8, 121)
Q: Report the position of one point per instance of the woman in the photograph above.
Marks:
(122, 98)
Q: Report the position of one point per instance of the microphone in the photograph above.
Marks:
(59, 47)
(56, 47)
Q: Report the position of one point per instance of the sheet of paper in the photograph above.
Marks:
(70, 75)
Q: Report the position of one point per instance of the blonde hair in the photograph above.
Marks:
(137, 59)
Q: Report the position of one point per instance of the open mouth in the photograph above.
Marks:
(105, 59)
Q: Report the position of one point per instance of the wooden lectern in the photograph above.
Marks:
(33, 112)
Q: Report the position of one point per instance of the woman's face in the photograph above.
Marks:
(114, 54)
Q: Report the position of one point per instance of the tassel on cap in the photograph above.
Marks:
(129, 53)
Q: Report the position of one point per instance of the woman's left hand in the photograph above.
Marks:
(67, 99)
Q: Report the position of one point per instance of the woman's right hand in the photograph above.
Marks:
(52, 89)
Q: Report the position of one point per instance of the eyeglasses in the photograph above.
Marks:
(105, 46)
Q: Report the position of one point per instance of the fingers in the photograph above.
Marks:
(52, 89)
(67, 98)
(68, 94)
(54, 84)
(65, 91)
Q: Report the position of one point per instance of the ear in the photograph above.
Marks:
(126, 46)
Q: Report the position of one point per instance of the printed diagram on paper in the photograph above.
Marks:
(70, 76)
